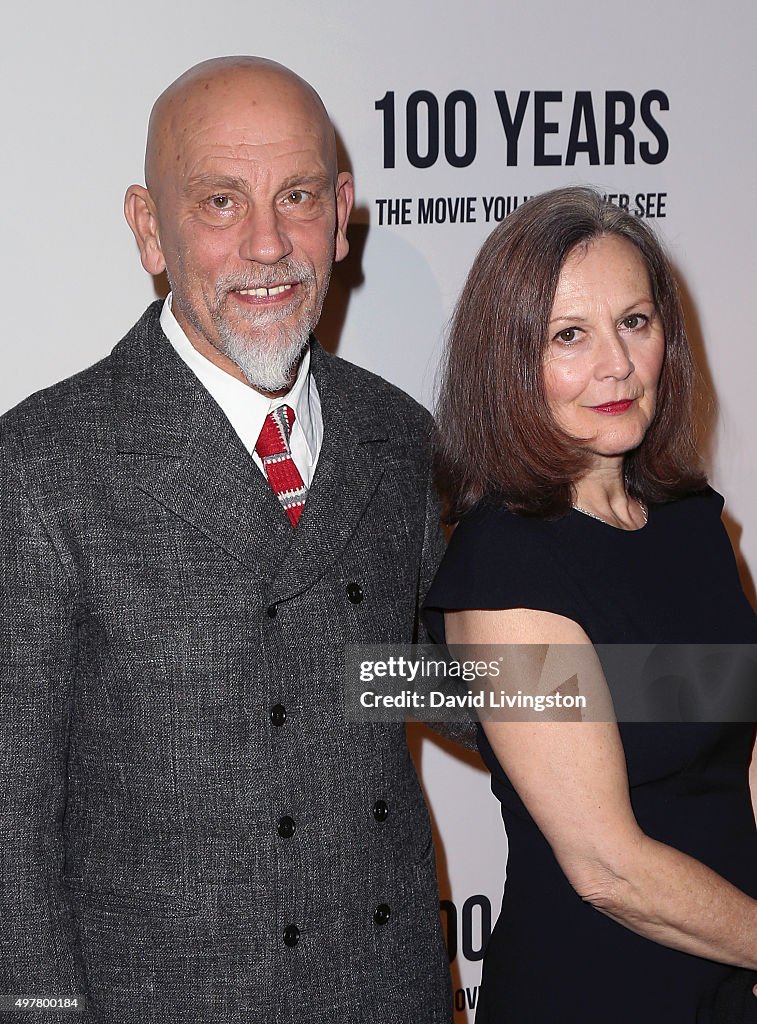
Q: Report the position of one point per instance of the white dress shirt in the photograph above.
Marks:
(246, 409)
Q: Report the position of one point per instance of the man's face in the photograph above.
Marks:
(250, 218)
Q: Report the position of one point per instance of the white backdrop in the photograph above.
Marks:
(78, 80)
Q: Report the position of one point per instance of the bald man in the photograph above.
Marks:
(192, 530)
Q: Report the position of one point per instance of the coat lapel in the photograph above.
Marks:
(350, 466)
(184, 453)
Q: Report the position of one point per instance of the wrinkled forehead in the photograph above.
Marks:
(236, 115)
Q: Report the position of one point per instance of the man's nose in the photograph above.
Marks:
(264, 238)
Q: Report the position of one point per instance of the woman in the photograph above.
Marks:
(568, 461)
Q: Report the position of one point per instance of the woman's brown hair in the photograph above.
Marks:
(496, 435)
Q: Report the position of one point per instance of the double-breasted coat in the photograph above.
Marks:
(191, 829)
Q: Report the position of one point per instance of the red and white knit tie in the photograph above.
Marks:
(284, 477)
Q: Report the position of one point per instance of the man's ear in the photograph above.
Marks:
(345, 197)
(141, 215)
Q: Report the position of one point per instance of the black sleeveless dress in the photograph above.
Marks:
(553, 958)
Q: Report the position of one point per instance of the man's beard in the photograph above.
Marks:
(269, 350)
(268, 364)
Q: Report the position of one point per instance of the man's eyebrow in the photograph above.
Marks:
(297, 180)
(216, 183)
(223, 182)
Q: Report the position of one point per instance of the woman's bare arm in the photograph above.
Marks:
(572, 778)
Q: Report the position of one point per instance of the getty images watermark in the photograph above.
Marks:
(552, 682)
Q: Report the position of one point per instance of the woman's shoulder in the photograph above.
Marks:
(492, 523)
(695, 512)
(492, 534)
(495, 559)
(705, 502)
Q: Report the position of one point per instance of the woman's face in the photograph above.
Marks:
(605, 348)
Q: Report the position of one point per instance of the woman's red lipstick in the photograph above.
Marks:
(614, 408)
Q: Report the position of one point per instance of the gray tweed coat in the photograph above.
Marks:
(191, 832)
